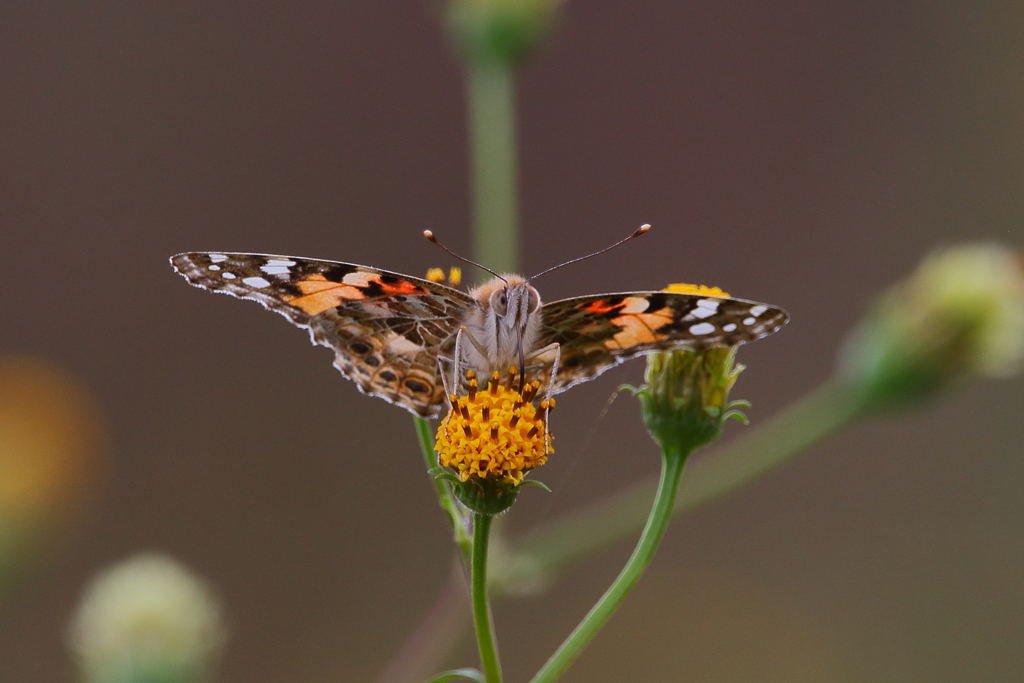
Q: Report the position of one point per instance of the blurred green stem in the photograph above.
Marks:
(481, 607)
(490, 94)
(671, 469)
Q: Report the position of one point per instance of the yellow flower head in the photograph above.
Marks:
(702, 290)
(495, 433)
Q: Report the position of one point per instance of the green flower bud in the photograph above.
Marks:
(961, 312)
(146, 620)
(685, 401)
(500, 31)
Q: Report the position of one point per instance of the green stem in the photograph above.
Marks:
(490, 94)
(657, 522)
(739, 462)
(456, 513)
(481, 608)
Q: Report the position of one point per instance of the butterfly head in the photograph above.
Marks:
(510, 301)
(508, 319)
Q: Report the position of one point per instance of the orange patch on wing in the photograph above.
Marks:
(402, 287)
(361, 280)
(320, 294)
(600, 306)
(638, 329)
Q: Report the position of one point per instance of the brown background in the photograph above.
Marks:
(800, 153)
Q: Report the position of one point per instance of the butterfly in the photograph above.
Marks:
(394, 335)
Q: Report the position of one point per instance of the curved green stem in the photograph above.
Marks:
(457, 674)
(481, 608)
(657, 522)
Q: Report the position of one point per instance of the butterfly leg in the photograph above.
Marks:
(457, 358)
(555, 348)
(480, 349)
(539, 354)
(441, 360)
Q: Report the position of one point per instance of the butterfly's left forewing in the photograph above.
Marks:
(386, 329)
(596, 333)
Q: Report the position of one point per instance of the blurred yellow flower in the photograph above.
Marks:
(52, 448)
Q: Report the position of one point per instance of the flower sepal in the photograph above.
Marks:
(485, 496)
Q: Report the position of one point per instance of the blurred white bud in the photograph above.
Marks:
(147, 620)
(962, 311)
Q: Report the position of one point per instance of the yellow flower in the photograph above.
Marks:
(437, 275)
(702, 290)
(495, 434)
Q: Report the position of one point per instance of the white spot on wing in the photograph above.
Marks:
(402, 346)
(702, 328)
(217, 258)
(256, 282)
(758, 310)
(214, 267)
(275, 270)
(749, 321)
(228, 276)
(709, 303)
(701, 312)
(730, 327)
(280, 262)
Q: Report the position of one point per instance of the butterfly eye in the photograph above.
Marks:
(534, 301)
(499, 302)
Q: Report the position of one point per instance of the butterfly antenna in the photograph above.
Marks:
(639, 231)
(430, 236)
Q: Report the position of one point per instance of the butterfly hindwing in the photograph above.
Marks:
(598, 332)
(386, 329)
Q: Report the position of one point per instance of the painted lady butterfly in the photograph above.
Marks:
(391, 333)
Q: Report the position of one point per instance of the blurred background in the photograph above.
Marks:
(803, 154)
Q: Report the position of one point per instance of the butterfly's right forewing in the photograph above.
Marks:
(386, 329)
